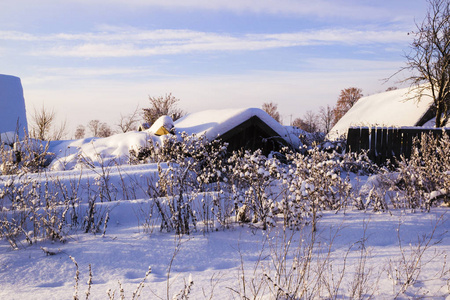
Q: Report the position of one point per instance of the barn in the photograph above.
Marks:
(397, 108)
(248, 128)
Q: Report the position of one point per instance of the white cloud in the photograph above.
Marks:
(128, 42)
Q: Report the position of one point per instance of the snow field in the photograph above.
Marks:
(214, 259)
(104, 213)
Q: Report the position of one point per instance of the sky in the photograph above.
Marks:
(100, 59)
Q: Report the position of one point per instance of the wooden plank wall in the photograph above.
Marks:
(386, 143)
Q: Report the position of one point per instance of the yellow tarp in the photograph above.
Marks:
(161, 131)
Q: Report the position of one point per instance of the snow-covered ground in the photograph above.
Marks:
(353, 253)
(361, 246)
(89, 186)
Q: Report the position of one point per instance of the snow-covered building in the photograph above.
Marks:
(248, 128)
(397, 108)
(13, 120)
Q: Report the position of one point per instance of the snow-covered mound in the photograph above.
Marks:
(115, 149)
(394, 108)
(163, 125)
(12, 108)
(97, 151)
(214, 123)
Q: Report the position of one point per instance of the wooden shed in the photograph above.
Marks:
(248, 129)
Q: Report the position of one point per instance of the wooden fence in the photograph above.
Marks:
(383, 143)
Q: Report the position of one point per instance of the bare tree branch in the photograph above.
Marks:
(161, 106)
(429, 59)
(347, 98)
(43, 125)
(272, 109)
(128, 122)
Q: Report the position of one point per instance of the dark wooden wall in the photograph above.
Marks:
(383, 143)
(251, 135)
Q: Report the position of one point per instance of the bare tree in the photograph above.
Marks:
(272, 109)
(59, 132)
(160, 106)
(94, 126)
(43, 125)
(347, 98)
(99, 129)
(80, 132)
(105, 130)
(326, 118)
(429, 58)
(129, 122)
(308, 123)
(298, 122)
(311, 121)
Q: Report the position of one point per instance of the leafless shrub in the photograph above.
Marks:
(145, 217)
(405, 271)
(106, 190)
(250, 286)
(26, 156)
(77, 278)
(43, 125)
(30, 208)
(364, 283)
(422, 180)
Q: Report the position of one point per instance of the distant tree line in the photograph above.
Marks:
(159, 106)
(43, 125)
(327, 116)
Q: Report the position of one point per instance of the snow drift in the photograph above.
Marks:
(12, 108)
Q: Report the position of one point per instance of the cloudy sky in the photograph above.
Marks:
(98, 59)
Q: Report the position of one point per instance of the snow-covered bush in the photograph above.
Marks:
(27, 155)
(173, 197)
(252, 177)
(193, 167)
(337, 145)
(102, 186)
(31, 208)
(424, 179)
(312, 183)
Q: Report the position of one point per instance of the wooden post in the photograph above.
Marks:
(353, 140)
(373, 141)
(365, 139)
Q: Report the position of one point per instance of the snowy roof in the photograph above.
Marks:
(163, 121)
(214, 123)
(13, 117)
(394, 108)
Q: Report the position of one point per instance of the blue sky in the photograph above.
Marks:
(99, 59)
